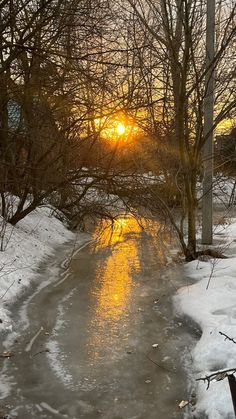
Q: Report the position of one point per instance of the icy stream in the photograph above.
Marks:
(102, 340)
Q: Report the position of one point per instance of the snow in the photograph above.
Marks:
(214, 310)
(209, 299)
(26, 246)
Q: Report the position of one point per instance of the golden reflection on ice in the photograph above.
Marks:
(114, 280)
(110, 233)
(114, 277)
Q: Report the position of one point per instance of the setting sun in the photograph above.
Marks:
(120, 128)
(117, 128)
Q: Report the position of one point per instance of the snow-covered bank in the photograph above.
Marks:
(210, 300)
(25, 246)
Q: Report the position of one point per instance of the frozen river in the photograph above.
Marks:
(101, 341)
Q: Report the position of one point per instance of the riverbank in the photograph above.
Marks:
(101, 339)
(209, 298)
(25, 246)
(213, 309)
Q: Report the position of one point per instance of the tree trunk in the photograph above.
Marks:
(190, 182)
(20, 214)
(3, 204)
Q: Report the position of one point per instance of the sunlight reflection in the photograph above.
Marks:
(117, 276)
(113, 281)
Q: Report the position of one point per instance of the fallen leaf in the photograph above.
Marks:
(155, 345)
(220, 376)
(6, 354)
(183, 404)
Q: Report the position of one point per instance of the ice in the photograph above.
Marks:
(27, 245)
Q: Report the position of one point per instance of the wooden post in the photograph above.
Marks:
(208, 148)
(232, 385)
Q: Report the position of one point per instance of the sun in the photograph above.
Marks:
(120, 128)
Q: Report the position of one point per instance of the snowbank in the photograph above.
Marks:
(214, 310)
(25, 246)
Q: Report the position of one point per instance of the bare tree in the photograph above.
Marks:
(55, 72)
(169, 39)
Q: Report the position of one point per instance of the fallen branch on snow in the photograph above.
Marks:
(217, 376)
(227, 337)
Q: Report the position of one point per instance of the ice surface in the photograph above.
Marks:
(27, 244)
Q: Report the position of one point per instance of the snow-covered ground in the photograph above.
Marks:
(24, 247)
(209, 298)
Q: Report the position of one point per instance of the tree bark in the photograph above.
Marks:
(20, 214)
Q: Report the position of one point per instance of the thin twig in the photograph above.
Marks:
(41, 352)
(3, 295)
(227, 337)
(218, 376)
(158, 365)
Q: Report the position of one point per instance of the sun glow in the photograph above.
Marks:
(225, 126)
(120, 128)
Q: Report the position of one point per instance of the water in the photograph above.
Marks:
(94, 357)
